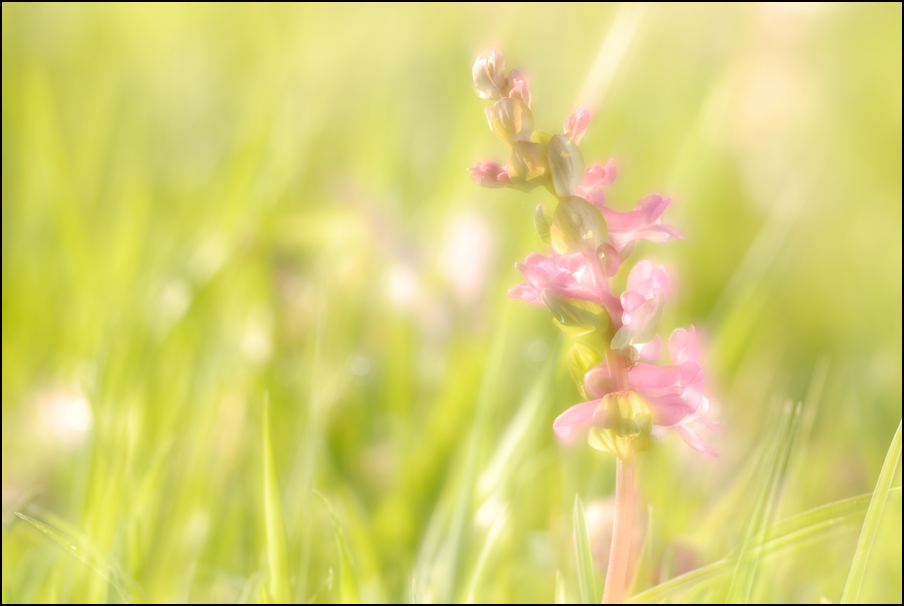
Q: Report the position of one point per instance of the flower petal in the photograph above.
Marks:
(578, 414)
(683, 345)
(693, 440)
(576, 124)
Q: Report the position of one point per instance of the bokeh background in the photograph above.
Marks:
(204, 204)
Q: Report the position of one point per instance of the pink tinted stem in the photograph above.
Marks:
(616, 575)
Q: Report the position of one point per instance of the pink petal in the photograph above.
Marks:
(598, 176)
(644, 279)
(640, 223)
(489, 174)
(649, 351)
(525, 292)
(520, 89)
(631, 301)
(683, 345)
(694, 441)
(576, 415)
(576, 124)
(594, 178)
(595, 197)
(568, 276)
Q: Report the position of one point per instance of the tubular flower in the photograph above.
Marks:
(575, 125)
(564, 276)
(489, 174)
(595, 178)
(641, 223)
(642, 304)
(627, 397)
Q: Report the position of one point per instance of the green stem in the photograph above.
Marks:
(616, 574)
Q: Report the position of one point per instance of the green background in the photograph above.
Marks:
(204, 204)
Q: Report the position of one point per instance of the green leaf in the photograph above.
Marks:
(542, 218)
(278, 585)
(581, 358)
(102, 565)
(348, 579)
(566, 165)
(560, 588)
(586, 573)
(871, 523)
(577, 226)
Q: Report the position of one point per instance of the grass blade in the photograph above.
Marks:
(774, 465)
(102, 566)
(276, 528)
(326, 587)
(560, 588)
(871, 523)
(348, 579)
(644, 560)
(791, 532)
(586, 573)
(492, 535)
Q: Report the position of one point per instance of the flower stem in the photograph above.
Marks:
(616, 574)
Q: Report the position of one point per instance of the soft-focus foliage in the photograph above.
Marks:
(201, 204)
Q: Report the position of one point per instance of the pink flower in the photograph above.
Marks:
(519, 88)
(674, 393)
(596, 177)
(641, 223)
(576, 124)
(489, 75)
(642, 302)
(565, 275)
(489, 174)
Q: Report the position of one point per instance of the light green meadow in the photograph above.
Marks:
(206, 208)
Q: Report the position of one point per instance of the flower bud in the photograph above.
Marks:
(576, 124)
(577, 226)
(510, 120)
(566, 165)
(623, 423)
(519, 87)
(489, 75)
(581, 358)
(542, 218)
(574, 316)
(489, 174)
(527, 167)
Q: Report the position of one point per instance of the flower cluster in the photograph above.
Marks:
(628, 397)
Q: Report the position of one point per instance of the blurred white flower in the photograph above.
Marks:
(464, 256)
(64, 416)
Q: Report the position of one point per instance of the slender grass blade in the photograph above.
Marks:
(560, 588)
(101, 565)
(871, 523)
(586, 574)
(791, 532)
(276, 527)
(348, 578)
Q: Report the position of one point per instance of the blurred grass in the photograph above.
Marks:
(201, 203)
